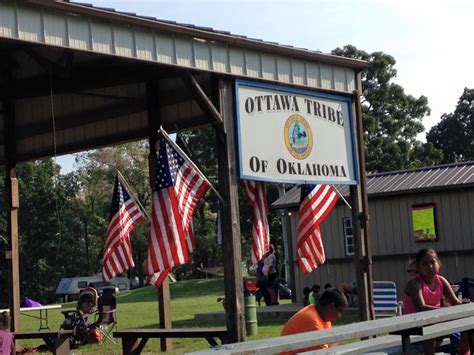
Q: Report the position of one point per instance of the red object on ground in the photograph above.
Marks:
(250, 286)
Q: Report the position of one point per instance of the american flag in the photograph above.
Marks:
(124, 216)
(256, 193)
(178, 188)
(317, 201)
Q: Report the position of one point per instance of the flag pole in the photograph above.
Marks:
(130, 190)
(183, 154)
(342, 197)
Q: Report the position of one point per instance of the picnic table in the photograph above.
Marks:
(43, 314)
(134, 340)
(57, 341)
(402, 330)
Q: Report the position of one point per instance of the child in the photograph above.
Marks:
(314, 294)
(7, 345)
(319, 316)
(306, 292)
(425, 291)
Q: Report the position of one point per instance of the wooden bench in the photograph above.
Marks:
(57, 341)
(131, 343)
(427, 325)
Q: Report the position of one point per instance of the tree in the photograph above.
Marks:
(202, 145)
(97, 170)
(454, 134)
(391, 118)
(48, 244)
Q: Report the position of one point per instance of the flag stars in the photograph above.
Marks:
(168, 165)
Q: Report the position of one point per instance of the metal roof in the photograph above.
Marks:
(112, 13)
(402, 181)
(78, 74)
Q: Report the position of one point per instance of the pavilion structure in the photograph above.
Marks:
(75, 77)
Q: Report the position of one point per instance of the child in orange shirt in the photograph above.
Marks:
(320, 316)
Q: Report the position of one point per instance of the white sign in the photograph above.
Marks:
(294, 136)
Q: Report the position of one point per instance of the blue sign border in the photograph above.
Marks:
(345, 99)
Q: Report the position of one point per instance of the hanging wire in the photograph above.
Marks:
(51, 97)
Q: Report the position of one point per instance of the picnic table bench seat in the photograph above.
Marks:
(131, 343)
(427, 325)
(57, 341)
(393, 343)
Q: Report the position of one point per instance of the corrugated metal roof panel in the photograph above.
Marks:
(436, 177)
(111, 32)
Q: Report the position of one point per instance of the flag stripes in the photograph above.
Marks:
(256, 193)
(178, 189)
(316, 204)
(125, 215)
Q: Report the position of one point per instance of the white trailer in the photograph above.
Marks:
(70, 287)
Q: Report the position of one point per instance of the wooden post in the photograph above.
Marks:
(12, 205)
(287, 246)
(230, 217)
(360, 220)
(154, 122)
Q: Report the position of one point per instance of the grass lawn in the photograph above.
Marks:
(139, 309)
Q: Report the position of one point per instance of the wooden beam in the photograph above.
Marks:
(364, 197)
(360, 221)
(154, 123)
(203, 100)
(12, 205)
(228, 183)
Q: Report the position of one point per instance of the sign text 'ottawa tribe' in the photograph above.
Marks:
(297, 137)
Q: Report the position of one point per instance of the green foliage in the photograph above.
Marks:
(97, 171)
(392, 119)
(47, 227)
(454, 134)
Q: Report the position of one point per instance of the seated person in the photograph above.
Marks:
(314, 294)
(349, 290)
(320, 316)
(78, 320)
(306, 292)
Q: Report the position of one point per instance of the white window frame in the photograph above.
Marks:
(346, 227)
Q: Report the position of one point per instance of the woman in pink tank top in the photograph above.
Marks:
(426, 290)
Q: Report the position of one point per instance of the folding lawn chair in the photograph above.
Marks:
(106, 317)
(385, 299)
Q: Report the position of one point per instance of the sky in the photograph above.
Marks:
(432, 41)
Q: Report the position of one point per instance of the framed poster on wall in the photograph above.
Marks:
(424, 223)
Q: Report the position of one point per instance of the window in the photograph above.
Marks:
(348, 236)
(82, 284)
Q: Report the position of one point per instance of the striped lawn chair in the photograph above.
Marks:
(385, 299)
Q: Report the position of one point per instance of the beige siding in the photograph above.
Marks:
(87, 34)
(392, 241)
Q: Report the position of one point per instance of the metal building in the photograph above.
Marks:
(392, 197)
